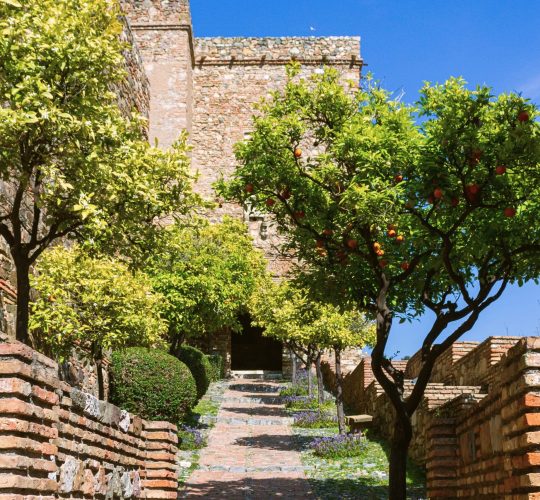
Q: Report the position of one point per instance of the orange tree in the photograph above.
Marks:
(403, 210)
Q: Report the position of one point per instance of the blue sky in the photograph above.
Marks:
(405, 43)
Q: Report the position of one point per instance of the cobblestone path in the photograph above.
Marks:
(251, 452)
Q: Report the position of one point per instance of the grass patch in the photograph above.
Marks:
(363, 476)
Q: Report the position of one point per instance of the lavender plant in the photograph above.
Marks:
(339, 446)
(190, 438)
(315, 419)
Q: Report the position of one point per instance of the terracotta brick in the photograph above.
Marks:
(48, 397)
(14, 406)
(24, 426)
(12, 481)
(27, 445)
(22, 463)
(15, 387)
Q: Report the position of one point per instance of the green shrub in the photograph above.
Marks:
(152, 384)
(199, 365)
(218, 366)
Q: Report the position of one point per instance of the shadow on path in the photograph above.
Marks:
(264, 411)
(262, 488)
(275, 442)
(254, 388)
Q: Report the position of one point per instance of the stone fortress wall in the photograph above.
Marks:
(209, 86)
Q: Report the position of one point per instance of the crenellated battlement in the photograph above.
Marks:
(157, 12)
(335, 50)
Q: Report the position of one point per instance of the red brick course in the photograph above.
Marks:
(59, 441)
(477, 429)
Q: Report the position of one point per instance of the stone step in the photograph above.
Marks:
(256, 375)
(212, 420)
(268, 400)
(240, 469)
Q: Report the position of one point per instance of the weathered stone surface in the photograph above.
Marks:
(68, 473)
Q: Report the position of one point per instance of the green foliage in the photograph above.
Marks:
(217, 365)
(74, 164)
(199, 365)
(291, 314)
(294, 390)
(98, 304)
(369, 169)
(206, 274)
(152, 384)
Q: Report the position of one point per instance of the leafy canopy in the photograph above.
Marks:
(288, 313)
(94, 303)
(206, 274)
(369, 199)
(70, 158)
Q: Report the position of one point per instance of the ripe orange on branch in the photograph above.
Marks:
(510, 212)
(297, 153)
(523, 116)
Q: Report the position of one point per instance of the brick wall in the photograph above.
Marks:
(59, 442)
(492, 445)
(477, 429)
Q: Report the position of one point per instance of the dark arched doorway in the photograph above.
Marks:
(250, 350)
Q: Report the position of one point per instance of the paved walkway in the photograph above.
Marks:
(251, 450)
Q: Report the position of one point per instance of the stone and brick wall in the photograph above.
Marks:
(230, 77)
(490, 448)
(476, 429)
(59, 442)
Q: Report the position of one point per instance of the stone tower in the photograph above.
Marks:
(163, 34)
(209, 86)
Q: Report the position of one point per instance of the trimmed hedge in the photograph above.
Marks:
(152, 384)
(199, 365)
(218, 366)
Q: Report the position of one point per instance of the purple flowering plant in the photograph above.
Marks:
(190, 438)
(314, 419)
(339, 446)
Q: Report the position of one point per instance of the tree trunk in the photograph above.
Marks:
(293, 362)
(97, 354)
(398, 459)
(339, 393)
(23, 299)
(100, 379)
(309, 377)
(320, 382)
